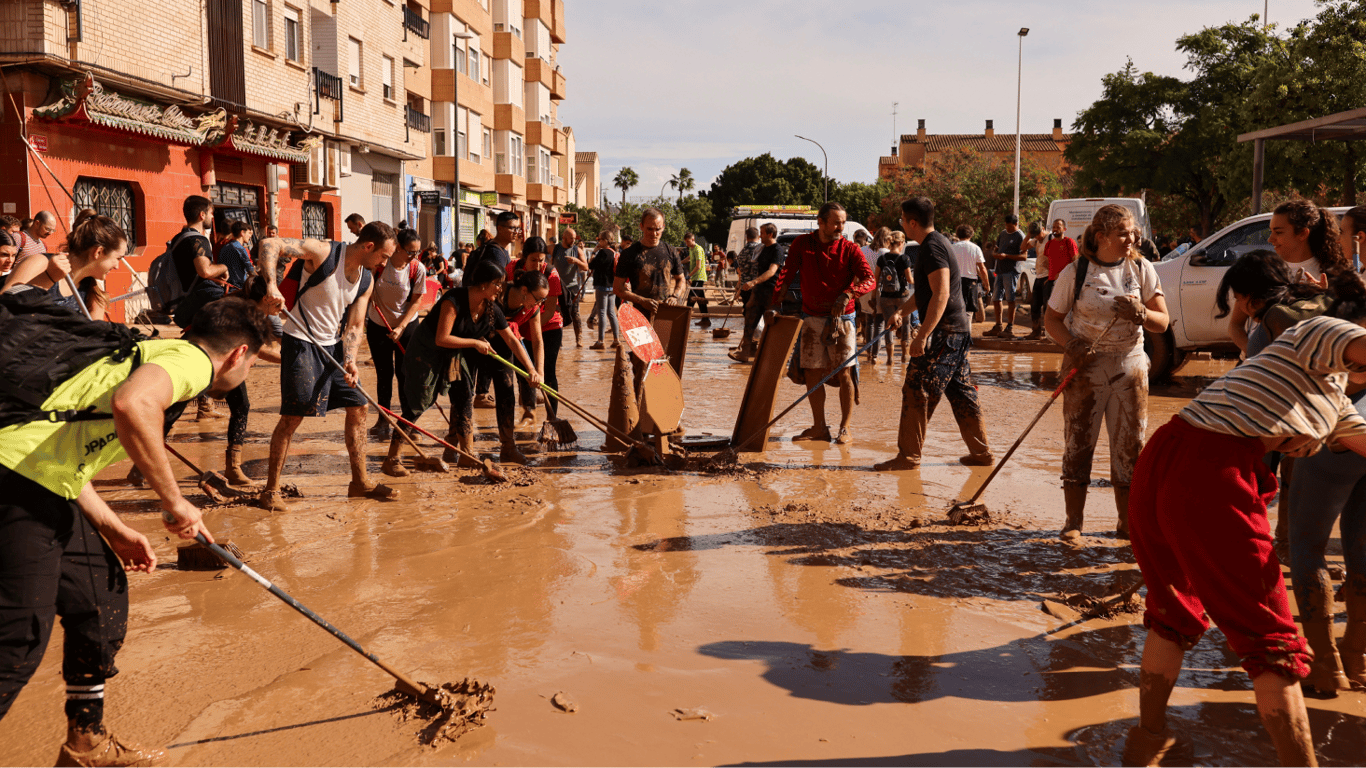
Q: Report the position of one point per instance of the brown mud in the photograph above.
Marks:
(794, 608)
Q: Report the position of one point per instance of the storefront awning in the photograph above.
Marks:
(84, 100)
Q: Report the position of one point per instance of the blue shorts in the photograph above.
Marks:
(1003, 286)
(309, 384)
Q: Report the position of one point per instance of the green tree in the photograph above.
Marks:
(762, 180)
(863, 202)
(1318, 69)
(697, 216)
(625, 180)
(683, 181)
(1177, 138)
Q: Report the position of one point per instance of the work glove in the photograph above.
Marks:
(1130, 309)
(1076, 354)
(841, 301)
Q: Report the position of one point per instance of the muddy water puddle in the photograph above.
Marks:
(819, 612)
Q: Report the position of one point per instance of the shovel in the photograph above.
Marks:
(462, 705)
(970, 509)
(213, 484)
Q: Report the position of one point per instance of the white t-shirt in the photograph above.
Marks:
(969, 256)
(1309, 267)
(392, 289)
(323, 307)
(1096, 307)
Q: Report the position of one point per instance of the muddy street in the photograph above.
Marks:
(803, 611)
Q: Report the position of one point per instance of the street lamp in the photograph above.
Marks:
(455, 139)
(1019, 92)
(827, 165)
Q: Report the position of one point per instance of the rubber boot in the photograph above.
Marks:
(234, 472)
(205, 409)
(1074, 497)
(1353, 646)
(1122, 508)
(1325, 672)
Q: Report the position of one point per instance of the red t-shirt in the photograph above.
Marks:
(825, 270)
(1060, 251)
(548, 322)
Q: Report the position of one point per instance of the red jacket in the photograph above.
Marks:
(825, 270)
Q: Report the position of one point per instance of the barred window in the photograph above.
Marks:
(110, 198)
(236, 195)
(315, 221)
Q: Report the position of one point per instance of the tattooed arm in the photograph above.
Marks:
(351, 335)
(272, 248)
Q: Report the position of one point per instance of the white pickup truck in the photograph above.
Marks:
(1190, 282)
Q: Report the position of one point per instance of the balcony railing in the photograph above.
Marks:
(418, 121)
(557, 181)
(327, 86)
(413, 22)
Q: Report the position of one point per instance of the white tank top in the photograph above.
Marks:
(323, 307)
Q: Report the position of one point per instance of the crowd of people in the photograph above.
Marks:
(1192, 501)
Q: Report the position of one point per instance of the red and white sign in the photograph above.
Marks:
(640, 335)
(39, 142)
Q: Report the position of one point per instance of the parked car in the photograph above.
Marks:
(1190, 282)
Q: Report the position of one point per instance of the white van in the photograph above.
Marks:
(787, 218)
(1078, 212)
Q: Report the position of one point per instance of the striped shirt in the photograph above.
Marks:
(1293, 388)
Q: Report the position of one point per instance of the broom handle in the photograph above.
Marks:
(455, 448)
(284, 596)
(178, 455)
(594, 420)
(809, 392)
(1047, 404)
(357, 387)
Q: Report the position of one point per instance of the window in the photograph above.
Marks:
(315, 221)
(473, 45)
(387, 74)
(488, 68)
(545, 166)
(111, 198)
(488, 142)
(260, 24)
(518, 147)
(236, 195)
(382, 186)
(294, 43)
(354, 62)
(462, 117)
(475, 126)
(1226, 250)
(458, 53)
(439, 142)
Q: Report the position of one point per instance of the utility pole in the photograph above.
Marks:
(1019, 93)
(827, 165)
(894, 136)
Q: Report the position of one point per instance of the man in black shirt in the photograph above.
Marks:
(764, 265)
(650, 272)
(497, 249)
(192, 253)
(939, 348)
(1009, 254)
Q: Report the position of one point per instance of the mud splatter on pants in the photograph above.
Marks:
(53, 563)
(1197, 516)
(1112, 387)
(943, 371)
(462, 392)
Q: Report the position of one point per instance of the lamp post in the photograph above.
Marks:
(826, 174)
(1019, 92)
(455, 139)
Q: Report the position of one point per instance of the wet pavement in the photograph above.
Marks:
(819, 613)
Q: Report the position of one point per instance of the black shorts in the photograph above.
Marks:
(309, 384)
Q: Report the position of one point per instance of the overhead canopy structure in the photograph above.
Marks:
(1343, 126)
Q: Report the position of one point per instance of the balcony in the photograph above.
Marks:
(413, 22)
(328, 86)
(557, 29)
(508, 184)
(539, 70)
(540, 193)
(557, 84)
(417, 120)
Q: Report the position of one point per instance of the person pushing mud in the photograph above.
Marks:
(832, 274)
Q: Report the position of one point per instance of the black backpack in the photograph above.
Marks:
(166, 288)
(889, 278)
(43, 345)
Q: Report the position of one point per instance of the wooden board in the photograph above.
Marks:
(769, 368)
(661, 400)
(671, 324)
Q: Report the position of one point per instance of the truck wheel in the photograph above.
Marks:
(1162, 355)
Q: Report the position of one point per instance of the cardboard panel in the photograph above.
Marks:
(770, 366)
(671, 324)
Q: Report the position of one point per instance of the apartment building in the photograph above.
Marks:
(916, 149)
(587, 180)
(495, 88)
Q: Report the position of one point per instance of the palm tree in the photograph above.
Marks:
(625, 179)
(683, 181)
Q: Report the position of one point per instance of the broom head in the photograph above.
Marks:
(197, 557)
(720, 333)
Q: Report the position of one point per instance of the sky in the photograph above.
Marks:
(700, 84)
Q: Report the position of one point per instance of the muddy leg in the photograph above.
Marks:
(817, 398)
(279, 449)
(1149, 741)
(355, 443)
(846, 381)
(1281, 706)
(1126, 418)
(1082, 415)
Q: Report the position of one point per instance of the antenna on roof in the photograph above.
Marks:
(896, 139)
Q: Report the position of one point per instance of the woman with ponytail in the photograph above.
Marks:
(94, 248)
(1110, 286)
(1199, 523)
